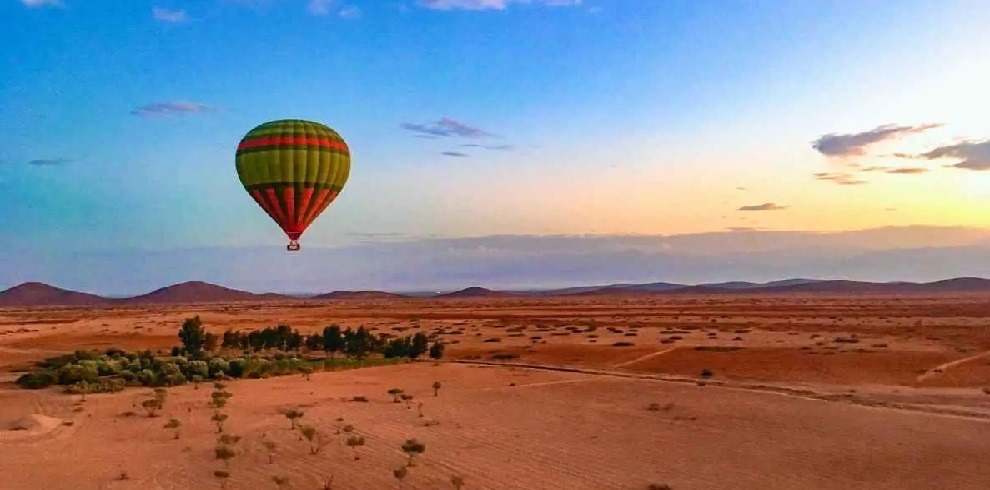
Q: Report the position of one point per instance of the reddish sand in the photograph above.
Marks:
(805, 392)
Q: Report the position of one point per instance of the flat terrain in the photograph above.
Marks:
(810, 391)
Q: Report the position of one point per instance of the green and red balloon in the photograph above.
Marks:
(294, 170)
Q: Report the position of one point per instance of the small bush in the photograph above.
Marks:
(37, 380)
(623, 344)
(503, 356)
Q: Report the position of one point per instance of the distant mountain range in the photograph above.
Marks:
(39, 294)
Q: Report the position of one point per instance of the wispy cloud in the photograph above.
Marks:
(170, 108)
(349, 12)
(447, 127)
(767, 206)
(169, 16)
(907, 170)
(840, 145)
(456, 154)
(49, 161)
(327, 7)
(42, 3)
(490, 4)
(972, 155)
(839, 178)
(320, 7)
(490, 147)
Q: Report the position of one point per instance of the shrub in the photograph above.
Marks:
(707, 373)
(395, 392)
(354, 442)
(293, 415)
(623, 344)
(37, 380)
(224, 452)
(74, 373)
(412, 447)
(198, 368)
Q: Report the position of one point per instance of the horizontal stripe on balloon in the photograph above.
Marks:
(292, 141)
(322, 149)
(297, 185)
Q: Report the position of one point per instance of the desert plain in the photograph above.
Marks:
(738, 391)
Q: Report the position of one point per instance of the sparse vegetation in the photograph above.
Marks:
(270, 447)
(293, 415)
(224, 453)
(316, 439)
(395, 392)
(457, 481)
(436, 388)
(400, 474)
(222, 476)
(354, 442)
(259, 354)
(412, 448)
(174, 425)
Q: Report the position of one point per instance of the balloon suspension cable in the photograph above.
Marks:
(293, 246)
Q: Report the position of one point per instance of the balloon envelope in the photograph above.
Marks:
(294, 170)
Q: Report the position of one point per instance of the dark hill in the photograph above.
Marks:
(475, 292)
(40, 294)
(199, 292)
(358, 295)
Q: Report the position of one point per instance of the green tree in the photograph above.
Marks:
(333, 341)
(436, 350)
(193, 335)
(420, 344)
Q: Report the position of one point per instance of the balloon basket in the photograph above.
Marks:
(293, 246)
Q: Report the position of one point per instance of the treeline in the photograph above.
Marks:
(358, 343)
(203, 356)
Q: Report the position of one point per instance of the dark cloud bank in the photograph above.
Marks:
(908, 253)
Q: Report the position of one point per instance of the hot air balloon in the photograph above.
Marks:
(293, 169)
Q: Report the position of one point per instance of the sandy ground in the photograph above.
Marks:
(806, 392)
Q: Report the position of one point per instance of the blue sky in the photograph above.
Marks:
(118, 120)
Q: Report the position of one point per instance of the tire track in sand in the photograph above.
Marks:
(643, 358)
(935, 371)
